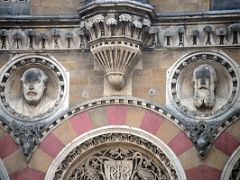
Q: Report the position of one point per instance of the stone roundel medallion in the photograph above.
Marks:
(11, 88)
(203, 85)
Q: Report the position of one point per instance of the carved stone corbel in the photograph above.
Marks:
(43, 37)
(116, 38)
(234, 29)
(56, 35)
(195, 36)
(208, 31)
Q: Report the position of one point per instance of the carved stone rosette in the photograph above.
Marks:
(115, 37)
(203, 85)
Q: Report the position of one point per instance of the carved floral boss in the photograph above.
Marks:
(116, 43)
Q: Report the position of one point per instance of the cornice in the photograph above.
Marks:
(158, 18)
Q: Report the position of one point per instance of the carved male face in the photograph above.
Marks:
(34, 85)
(204, 81)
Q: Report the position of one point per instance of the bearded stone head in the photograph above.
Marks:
(34, 82)
(204, 82)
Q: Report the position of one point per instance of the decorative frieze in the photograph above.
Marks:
(199, 35)
(139, 29)
(36, 39)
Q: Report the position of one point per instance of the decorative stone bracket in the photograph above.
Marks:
(115, 37)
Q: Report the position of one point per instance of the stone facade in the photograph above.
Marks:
(118, 90)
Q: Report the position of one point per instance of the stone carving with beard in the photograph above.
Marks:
(34, 101)
(34, 85)
(204, 82)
